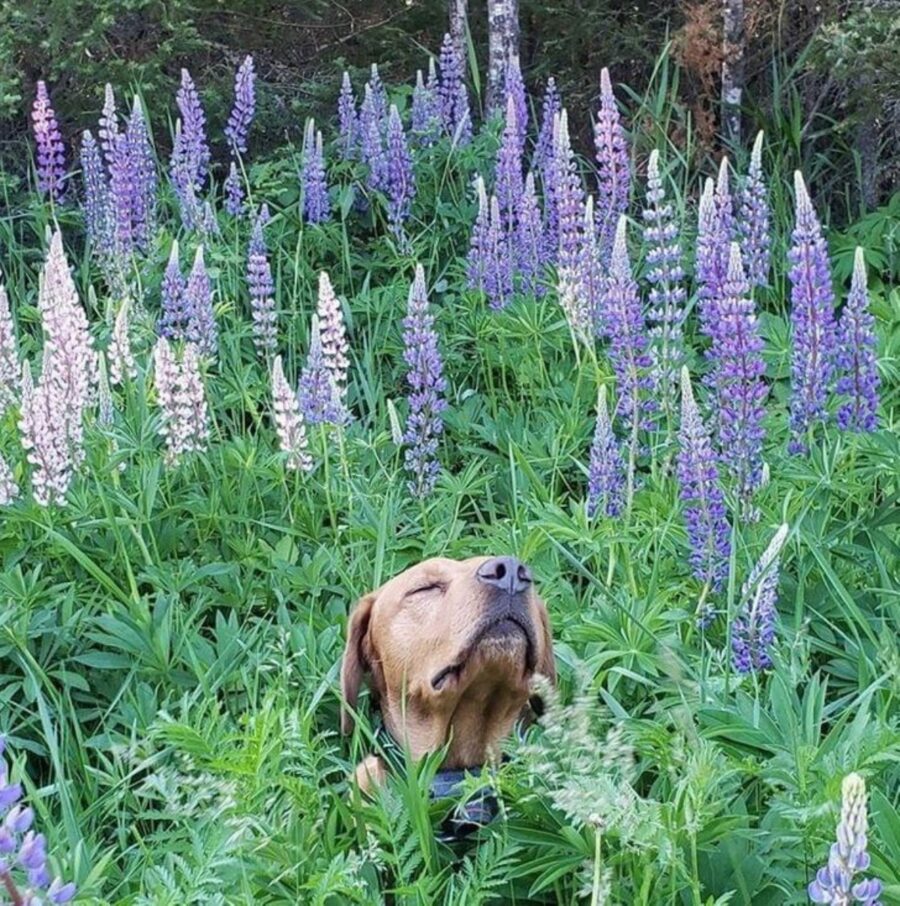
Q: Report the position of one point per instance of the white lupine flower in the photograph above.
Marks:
(179, 390)
(289, 421)
(334, 334)
(120, 357)
(9, 355)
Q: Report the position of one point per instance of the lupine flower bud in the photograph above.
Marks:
(262, 288)
(234, 191)
(316, 204)
(848, 856)
(568, 196)
(477, 262)
(379, 95)
(9, 356)
(812, 320)
(317, 393)
(142, 166)
(9, 490)
(175, 314)
(109, 125)
(371, 144)
(704, 505)
(509, 169)
(530, 251)
(606, 473)
(427, 386)
(515, 88)
(122, 366)
(401, 182)
(590, 274)
(181, 397)
(347, 119)
(753, 225)
(289, 421)
(499, 261)
(453, 94)
(858, 371)
(241, 117)
(665, 276)
(543, 150)
(202, 329)
(96, 196)
(51, 155)
(334, 335)
(753, 632)
(613, 166)
(195, 149)
(182, 179)
(426, 109)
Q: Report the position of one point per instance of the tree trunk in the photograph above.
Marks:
(503, 46)
(732, 69)
(458, 26)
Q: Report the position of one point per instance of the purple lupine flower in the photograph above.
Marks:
(316, 204)
(262, 288)
(96, 196)
(401, 187)
(209, 222)
(347, 119)
(812, 320)
(379, 96)
(51, 154)
(479, 246)
(667, 293)
(317, 394)
(372, 144)
(515, 89)
(753, 632)
(9, 356)
(201, 330)
(709, 270)
(613, 167)
(753, 224)
(142, 166)
(123, 186)
(335, 347)
(529, 244)
(241, 117)
(427, 387)
(857, 367)
(181, 177)
(704, 504)
(623, 325)
(509, 186)
(737, 376)
(426, 112)
(109, 125)
(453, 94)
(848, 856)
(288, 419)
(182, 399)
(543, 150)
(21, 846)
(175, 313)
(592, 287)
(606, 472)
(499, 262)
(568, 195)
(234, 191)
(195, 149)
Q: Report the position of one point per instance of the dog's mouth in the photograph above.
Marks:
(499, 631)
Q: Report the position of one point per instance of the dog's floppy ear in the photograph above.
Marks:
(355, 663)
(546, 665)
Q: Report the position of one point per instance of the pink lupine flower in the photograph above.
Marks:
(9, 355)
(289, 421)
(122, 366)
(45, 441)
(51, 155)
(179, 389)
(334, 334)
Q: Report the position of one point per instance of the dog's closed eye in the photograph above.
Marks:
(421, 589)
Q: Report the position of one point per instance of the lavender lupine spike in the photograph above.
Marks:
(667, 293)
(143, 169)
(335, 348)
(401, 187)
(569, 198)
(347, 119)
(479, 246)
(9, 356)
(857, 366)
(606, 472)
(109, 125)
(753, 223)
(515, 89)
(543, 150)
(195, 149)
(317, 393)
(123, 189)
(379, 95)
(812, 320)
(262, 288)
(202, 329)
(753, 632)
(122, 366)
(175, 313)
(241, 118)
(530, 251)
(372, 144)
(509, 183)
(613, 167)
(737, 376)
(182, 179)
(182, 399)
(426, 114)
(23, 850)
(427, 387)
(623, 325)
(704, 504)
(234, 191)
(454, 96)
(96, 196)
(289, 421)
(51, 154)
(590, 273)
(849, 856)
(709, 270)
(499, 261)
(316, 204)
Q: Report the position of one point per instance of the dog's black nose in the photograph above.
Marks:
(505, 573)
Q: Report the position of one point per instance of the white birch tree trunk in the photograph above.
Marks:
(503, 46)
(458, 12)
(732, 69)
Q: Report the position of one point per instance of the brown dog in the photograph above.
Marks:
(450, 648)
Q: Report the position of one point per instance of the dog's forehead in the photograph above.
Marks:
(434, 569)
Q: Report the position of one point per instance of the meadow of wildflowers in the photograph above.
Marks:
(237, 393)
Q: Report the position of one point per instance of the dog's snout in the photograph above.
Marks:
(505, 573)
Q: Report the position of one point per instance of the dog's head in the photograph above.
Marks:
(450, 648)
